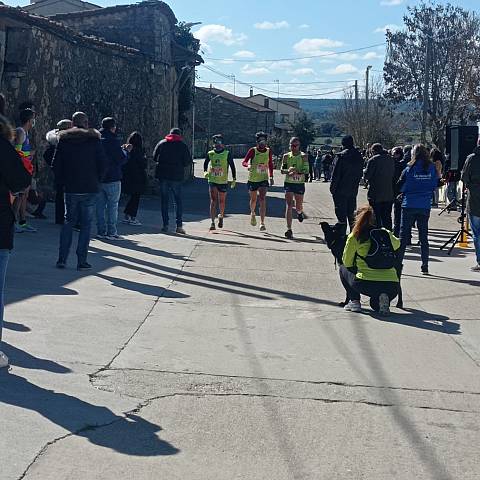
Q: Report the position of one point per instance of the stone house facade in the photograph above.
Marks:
(61, 69)
(52, 7)
(217, 111)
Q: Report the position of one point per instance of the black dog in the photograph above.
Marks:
(336, 238)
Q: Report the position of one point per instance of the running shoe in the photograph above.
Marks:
(3, 360)
(127, 219)
(114, 237)
(300, 217)
(425, 270)
(18, 229)
(27, 228)
(353, 306)
(135, 223)
(289, 234)
(101, 236)
(181, 231)
(476, 268)
(220, 221)
(253, 220)
(384, 304)
(212, 226)
(263, 228)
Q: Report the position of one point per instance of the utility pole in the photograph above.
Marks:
(426, 86)
(367, 89)
(356, 96)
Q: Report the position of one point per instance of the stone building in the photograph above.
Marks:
(120, 61)
(217, 111)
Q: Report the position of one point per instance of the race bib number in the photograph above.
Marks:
(262, 169)
(297, 177)
(217, 172)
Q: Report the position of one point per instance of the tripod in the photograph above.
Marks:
(451, 206)
(463, 232)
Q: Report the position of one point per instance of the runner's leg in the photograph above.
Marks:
(213, 203)
(263, 203)
(222, 197)
(299, 203)
(289, 207)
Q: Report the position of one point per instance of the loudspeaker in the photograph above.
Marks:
(461, 141)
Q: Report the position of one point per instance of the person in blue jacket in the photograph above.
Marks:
(417, 183)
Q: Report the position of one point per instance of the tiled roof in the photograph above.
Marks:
(233, 98)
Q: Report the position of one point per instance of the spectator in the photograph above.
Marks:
(357, 277)
(52, 139)
(24, 149)
(437, 159)
(111, 185)
(172, 157)
(317, 166)
(134, 180)
(417, 182)
(400, 166)
(311, 163)
(327, 161)
(13, 178)
(79, 165)
(471, 180)
(380, 174)
(347, 173)
(3, 105)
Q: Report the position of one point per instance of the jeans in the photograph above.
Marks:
(59, 204)
(4, 256)
(107, 200)
(475, 224)
(410, 216)
(383, 214)
(345, 209)
(79, 207)
(131, 208)
(452, 191)
(167, 186)
(354, 287)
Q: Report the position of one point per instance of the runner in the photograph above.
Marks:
(260, 166)
(295, 167)
(217, 175)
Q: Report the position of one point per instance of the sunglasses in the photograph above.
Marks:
(294, 144)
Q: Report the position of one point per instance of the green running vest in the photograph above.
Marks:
(259, 166)
(301, 166)
(218, 168)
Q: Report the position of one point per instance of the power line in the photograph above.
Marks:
(330, 54)
(285, 83)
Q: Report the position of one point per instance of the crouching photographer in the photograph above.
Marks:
(370, 264)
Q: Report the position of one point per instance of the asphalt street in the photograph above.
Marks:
(224, 355)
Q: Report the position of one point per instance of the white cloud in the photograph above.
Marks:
(272, 25)
(244, 54)
(391, 3)
(248, 70)
(391, 26)
(214, 33)
(227, 61)
(304, 26)
(303, 71)
(314, 46)
(343, 69)
(372, 56)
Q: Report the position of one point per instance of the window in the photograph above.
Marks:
(266, 102)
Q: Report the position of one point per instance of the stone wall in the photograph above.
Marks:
(62, 74)
(236, 122)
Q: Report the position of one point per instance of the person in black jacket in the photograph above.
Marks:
(13, 179)
(134, 180)
(172, 157)
(347, 173)
(380, 175)
(79, 165)
(111, 185)
(400, 165)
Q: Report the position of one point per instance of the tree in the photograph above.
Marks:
(439, 43)
(304, 129)
(382, 123)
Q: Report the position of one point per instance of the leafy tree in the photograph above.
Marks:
(304, 129)
(450, 35)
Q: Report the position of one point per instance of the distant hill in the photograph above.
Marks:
(319, 108)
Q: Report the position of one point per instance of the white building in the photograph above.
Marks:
(286, 111)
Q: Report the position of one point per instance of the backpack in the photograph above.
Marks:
(381, 255)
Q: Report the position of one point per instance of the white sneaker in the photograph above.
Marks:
(114, 237)
(384, 304)
(135, 222)
(263, 228)
(3, 360)
(353, 306)
(476, 268)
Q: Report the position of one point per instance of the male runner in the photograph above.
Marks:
(215, 170)
(295, 167)
(260, 166)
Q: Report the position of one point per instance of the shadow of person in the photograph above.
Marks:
(129, 434)
(17, 327)
(23, 359)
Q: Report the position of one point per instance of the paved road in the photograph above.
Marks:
(224, 355)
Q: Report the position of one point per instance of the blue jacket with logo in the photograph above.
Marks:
(418, 185)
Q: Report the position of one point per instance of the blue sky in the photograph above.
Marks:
(238, 37)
